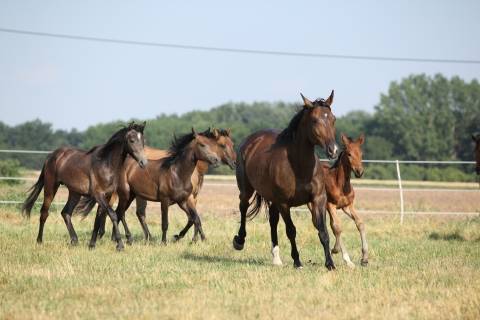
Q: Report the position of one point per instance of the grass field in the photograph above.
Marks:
(429, 268)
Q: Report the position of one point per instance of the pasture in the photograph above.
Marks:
(429, 268)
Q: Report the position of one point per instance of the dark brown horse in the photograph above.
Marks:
(341, 195)
(282, 169)
(92, 173)
(167, 180)
(476, 138)
(228, 157)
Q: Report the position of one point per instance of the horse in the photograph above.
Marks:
(92, 173)
(282, 170)
(476, 139)
(167, 180)
(228, 157)
(340, 193)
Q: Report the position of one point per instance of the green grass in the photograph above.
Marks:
(425, 269)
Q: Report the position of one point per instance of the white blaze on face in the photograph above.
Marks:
(139, 135)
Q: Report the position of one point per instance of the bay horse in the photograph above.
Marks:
(92, 173)
(167, 180)
(224, 140)
(340, 193)
(476, 139)
(282, 170)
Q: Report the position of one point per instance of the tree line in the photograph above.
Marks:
(419, 118)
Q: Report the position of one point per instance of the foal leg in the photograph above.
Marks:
(273, 217)
(319, 217)
(141, 215)
(72, 201)
(291, 234)
(191, 211)
(192, 202)
(361, 229)
(337, 230)
(49, 191)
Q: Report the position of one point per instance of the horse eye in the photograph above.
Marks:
(223, 146)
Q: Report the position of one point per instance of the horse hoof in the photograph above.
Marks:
(364, 263)
(237, 244)
(298, 265)
(164, 242)
(335, 250)
(120, 248)
(74, 242)
(39, 241)
(330, 265)
(91, 246)
(176, 238)
(129, 242)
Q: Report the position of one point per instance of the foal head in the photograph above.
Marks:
(134, 143)
(354, 153)
(318, 122)
(225, 143)
(476, 138)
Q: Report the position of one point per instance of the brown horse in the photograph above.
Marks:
(282, 169)
(167, 180)
(228, 157)
(477, 152)
(92, 173)
(341, 195)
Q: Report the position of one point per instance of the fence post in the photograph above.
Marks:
(401, 191)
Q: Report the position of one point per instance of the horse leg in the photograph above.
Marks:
(361, 229)
(190, 221)
(104, 203)
(191, 211)
(100, 218)
(291, 234)
(319, 217)
(273, 217)
(72, 201)
(49, 190)
(122, 218)
(164, 208)
(246, 192)
(337, 231)
(141, 215)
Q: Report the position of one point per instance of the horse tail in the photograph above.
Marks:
(258, 202)
(85, 205)
(34, 193)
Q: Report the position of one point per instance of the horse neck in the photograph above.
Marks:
(342, 172)
(185, 164)
(115, 156)
(301, 154)
(202, 167)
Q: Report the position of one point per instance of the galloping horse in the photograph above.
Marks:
(228, 157)
(283, 171)
(167, 180)
(477, 152)
(340, 194)
(92, 173)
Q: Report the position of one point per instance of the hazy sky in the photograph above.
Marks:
(76, 83)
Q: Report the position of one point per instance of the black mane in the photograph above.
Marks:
(288, 134)
(178, 145)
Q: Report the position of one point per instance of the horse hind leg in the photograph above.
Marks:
(73, 199)
(49, 190)
(246, 192)
(273, 217)
(352, 213)
(291, 234)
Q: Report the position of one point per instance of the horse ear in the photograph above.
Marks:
(345, 139)
(143, 125)
(194, 133)
(215, 132)
(329, 100)
(361, 139)
(306, 103)
(229, 131)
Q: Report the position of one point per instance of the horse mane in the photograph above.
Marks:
(288, 134)
(117, 137)
(178, 145)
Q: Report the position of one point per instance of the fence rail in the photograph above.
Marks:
(401, 190)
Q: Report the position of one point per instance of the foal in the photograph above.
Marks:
(167, 181)
(340, 194)
(92, 173)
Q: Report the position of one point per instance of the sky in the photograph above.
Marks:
(75, 84)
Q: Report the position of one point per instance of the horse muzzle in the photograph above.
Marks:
(142, 163)
(358, 172)
(332, 150)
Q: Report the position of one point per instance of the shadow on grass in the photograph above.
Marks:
(452, 236)
(222, 260)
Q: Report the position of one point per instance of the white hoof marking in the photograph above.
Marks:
(276, 256)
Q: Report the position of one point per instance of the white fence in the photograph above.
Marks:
(401, 190)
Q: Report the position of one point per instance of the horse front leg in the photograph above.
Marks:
(352, 213)
(337, 231)
(319, 217)
(103, 203)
